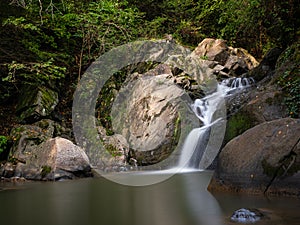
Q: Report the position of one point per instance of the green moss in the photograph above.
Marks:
(238, 124)
(45, 170)
(3, 144)
(113, 150)
(177, 128)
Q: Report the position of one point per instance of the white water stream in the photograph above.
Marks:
(195, 149)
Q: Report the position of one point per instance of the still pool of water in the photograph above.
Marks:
(180, 200)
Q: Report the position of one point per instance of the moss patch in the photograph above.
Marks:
(237, 124)
(45, 170)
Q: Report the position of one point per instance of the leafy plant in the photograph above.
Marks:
(64, 37)
(3, 143)
(289, 79)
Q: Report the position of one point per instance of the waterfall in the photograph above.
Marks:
(195, 149)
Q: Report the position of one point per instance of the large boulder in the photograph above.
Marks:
(264, 159)
(55, 159)
(252, 107)
(147, 113)
(27, 137)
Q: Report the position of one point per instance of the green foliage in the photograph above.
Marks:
(64, 37)
(37, 72)
(289, 79)
(3, 143)
(45, 170)
(113, 151)
(256, 25)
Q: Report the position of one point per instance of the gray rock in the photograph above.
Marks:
(264, 159)
(146, 113)
(27, 137)
(246, 215)
(36, 103)
(53, 159)
(224, 60)
(252, 107)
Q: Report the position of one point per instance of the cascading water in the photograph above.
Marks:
(193, 154)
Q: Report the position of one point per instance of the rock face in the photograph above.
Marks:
(147, 114)
(267, 66)
(36, 103)
(225, 61)
(264, 159)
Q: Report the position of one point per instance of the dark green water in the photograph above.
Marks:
(181, 200)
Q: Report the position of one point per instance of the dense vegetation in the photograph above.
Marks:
(52, 42)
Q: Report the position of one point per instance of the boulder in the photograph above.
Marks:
(118, 148)
(36, 102)
(27, 137)
(147, 113)
(224, 60)
(264, 159)
(250, 108)
(55, 159)
(213, 50)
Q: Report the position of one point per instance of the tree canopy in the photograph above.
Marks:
(52, 42)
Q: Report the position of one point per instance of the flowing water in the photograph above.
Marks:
(197, 151)
(181, 200)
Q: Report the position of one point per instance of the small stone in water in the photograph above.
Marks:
(246, 216)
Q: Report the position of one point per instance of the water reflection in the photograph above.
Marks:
(180, 200)
(203, 207)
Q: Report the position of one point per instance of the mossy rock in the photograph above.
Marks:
(36, 103)
(237, 124)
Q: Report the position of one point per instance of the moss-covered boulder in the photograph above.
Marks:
(264, 159)
(261, 105)
(36, 102)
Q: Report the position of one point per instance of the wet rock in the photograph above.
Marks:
(246, 215)
(36, 102)
(264, 159)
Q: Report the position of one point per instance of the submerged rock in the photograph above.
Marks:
(246, 215)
